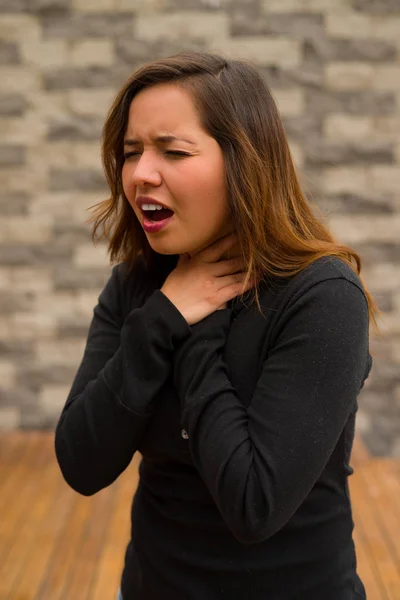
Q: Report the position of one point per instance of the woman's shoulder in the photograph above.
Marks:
(326, 268)
(338, 280)
(326, 296)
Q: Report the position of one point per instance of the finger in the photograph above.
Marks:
(234, 251)
(237, 282)
(232, 279)
(233, 289)
(228, 266)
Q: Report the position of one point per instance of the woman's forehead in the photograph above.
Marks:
(163, 104)
(163, 122)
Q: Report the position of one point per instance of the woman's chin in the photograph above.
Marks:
(167, 244)
(162, 247)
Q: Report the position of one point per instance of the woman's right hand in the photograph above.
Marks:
(200, 285)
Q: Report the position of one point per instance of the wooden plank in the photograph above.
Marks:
(111, 561)
(56, 577)
(17, 491)
(36, 504)
(10, 449)
(384, 492)
(17, 455)
(83, 568)
(366, 567)
(390, 477)
(44, 543)
(380, 551)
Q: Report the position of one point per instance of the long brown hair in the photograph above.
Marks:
(277, 229)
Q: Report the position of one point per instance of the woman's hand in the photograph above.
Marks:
(200, 285)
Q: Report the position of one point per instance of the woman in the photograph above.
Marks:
(228, 347)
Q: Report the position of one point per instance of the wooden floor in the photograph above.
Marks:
(57, 545)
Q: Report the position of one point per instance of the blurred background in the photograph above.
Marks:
(334, 69)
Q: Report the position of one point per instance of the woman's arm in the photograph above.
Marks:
(124, 366)
(260, 463)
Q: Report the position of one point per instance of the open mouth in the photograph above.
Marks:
(158, 215)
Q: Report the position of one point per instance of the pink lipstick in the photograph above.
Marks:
(155, 226)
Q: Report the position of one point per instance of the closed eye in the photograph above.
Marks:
(175, 153)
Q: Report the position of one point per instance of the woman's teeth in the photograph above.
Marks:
(151, 207)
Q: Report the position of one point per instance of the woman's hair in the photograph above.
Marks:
(277, 230)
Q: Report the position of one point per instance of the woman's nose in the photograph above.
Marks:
(146, 171)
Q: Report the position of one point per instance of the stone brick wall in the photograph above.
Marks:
(334, 68)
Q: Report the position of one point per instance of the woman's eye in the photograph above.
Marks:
(129, 154)
(177, 153)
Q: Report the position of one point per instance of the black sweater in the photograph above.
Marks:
(245, 424)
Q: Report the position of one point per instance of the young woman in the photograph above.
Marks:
(228, 347)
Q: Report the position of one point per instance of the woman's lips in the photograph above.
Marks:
(155, 226)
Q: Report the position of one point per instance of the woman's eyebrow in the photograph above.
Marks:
(163, 139)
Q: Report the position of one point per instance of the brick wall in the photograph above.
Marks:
(334, 68)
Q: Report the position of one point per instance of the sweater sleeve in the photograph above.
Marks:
(260, 462)
(124, 366)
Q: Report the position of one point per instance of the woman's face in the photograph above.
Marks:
(184, 171)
